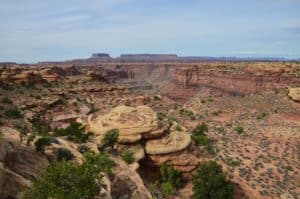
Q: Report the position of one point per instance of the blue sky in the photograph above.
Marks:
(36, 30)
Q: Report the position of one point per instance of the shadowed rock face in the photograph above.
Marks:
(18, 164)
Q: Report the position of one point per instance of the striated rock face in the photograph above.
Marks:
(234, 82)
(49, 75)
(294, 94)
(18, 76)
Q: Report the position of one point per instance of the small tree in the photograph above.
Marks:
(13, 113)
(199, 135)
(6, 100)
(110, 138)
(127, 156)
(44, 141)
(75, 132)
(239, 129)
(64, 154)
(171, 179)
(66, 180)
(210, 183)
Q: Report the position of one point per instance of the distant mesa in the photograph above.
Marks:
(100, 56)
(149, 57)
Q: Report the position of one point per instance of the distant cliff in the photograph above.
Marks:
(100, 56)
(148, 57)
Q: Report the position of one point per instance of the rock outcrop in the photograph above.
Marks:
(172, 142)
(131, 122)
(18, 164)
(143, 135)
(127, 183)
(294, 94)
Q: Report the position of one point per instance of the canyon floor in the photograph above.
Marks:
(252, 113)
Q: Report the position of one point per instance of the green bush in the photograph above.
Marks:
(64, 154)
(66, 180)
(167, 188)
(110, 138)
(44, 141)
(239, 129)
(178, 128)
(83, 148)
(171, 179)
(13, 113)
(160, 115)
(127, 156)
(261, 115)
(74, 132)
(6, 100)
(199, 135)
(210, 183)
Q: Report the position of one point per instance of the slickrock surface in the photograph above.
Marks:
(172, 142)
(131, 122)
(294, 93)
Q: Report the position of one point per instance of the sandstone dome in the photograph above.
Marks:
(131, 122)
(173, 142)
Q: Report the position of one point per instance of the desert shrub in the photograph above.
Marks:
(178, 128)
(221, 129)
(210, 183)
(13, 113)
(1, 108)
(239, 129)
(99, 162)
(167, 188)
(38, 97)
(261, 116)
(83, 148)
(110, 138)
(199, 135)
(160, 115)
(63, 154)
(216, 113)
(44, 141)
(66, 180)
(127, 156)
(187, 113)
(74, 132)
(171, 179)
(6, 100)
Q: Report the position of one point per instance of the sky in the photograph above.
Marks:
(36, 30)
